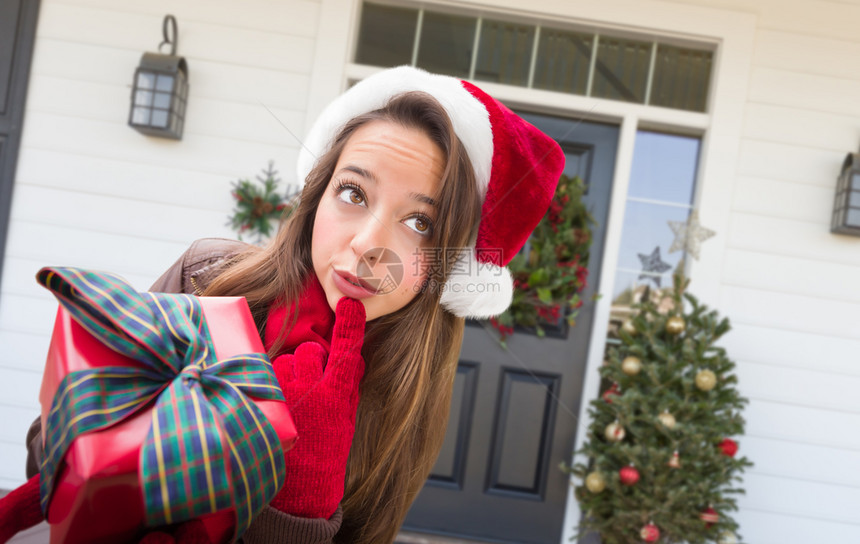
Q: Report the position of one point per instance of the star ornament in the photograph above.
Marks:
(653, 264)
(689, 235)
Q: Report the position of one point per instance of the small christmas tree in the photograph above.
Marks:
(661, 460)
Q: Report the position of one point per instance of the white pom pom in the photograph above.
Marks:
(477, 290)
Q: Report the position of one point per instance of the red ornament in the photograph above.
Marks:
(629, 475)
(650, 533)
(729, 447)
(709, 516)
(613, 390)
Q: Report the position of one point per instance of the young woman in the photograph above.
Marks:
(418, 190)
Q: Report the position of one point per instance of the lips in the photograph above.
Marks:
(352, 286)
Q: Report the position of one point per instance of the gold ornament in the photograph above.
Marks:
(667, 419)
(675, 461)
(629, 327)
(614, 432)
(595, 482)
(727, 537)
(706, 380)
(631, 365)
(675, 325)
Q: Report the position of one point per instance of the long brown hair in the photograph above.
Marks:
(406, 389)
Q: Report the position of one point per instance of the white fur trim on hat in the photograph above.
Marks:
(477, 290)
(469, 117)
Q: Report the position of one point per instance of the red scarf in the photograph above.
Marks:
(314, 324)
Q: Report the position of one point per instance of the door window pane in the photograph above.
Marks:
(621, 71)
(664, 167)
(562, 61)
(681, 78)
(504, 52)
(646, 227)
(386, 35)
(446, 44)
(662, 184)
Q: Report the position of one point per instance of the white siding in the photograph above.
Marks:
(92, 192)
(789, 286)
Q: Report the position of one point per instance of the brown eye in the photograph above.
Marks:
(420, 224)
(350, 194)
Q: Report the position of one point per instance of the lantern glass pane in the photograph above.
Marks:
(622, 67)
(143, 98)
(854, 199)
(162, 100)
(183, 90)
(505, 52)
(852, 218)
(855, 181)
(165, 83)
(446, 44)
(140, 116)
(145, 80)
(562, 61)
(159, 118)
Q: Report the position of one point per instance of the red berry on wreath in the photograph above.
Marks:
(650, 533)
(628, 475)
(709, 516)
(729, 447)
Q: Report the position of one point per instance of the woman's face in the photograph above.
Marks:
(373, 224)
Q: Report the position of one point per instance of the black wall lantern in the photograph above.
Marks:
(160, 90)
(846, 209)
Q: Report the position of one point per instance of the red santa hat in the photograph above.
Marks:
(517, 168)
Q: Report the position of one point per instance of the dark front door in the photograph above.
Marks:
(17, 32)
(514, 412)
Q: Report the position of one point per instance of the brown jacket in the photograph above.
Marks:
(191, 274)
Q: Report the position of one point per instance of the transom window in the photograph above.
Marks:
(537, 56)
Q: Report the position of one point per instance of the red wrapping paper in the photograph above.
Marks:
(97, 497)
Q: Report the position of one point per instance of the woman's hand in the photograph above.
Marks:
(322, 393)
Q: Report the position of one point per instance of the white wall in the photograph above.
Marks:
(790, 287)
(92, 192)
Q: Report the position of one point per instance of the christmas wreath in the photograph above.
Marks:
(259, 205)
(550, 272)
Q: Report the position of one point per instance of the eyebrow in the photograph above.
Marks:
(366, 174)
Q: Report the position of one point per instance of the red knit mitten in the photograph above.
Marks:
(20, 509)
(322, 394)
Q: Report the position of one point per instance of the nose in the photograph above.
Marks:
(369, 239)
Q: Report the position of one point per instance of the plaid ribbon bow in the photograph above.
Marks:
(184, 459)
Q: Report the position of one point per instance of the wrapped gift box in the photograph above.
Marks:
(97, 496)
